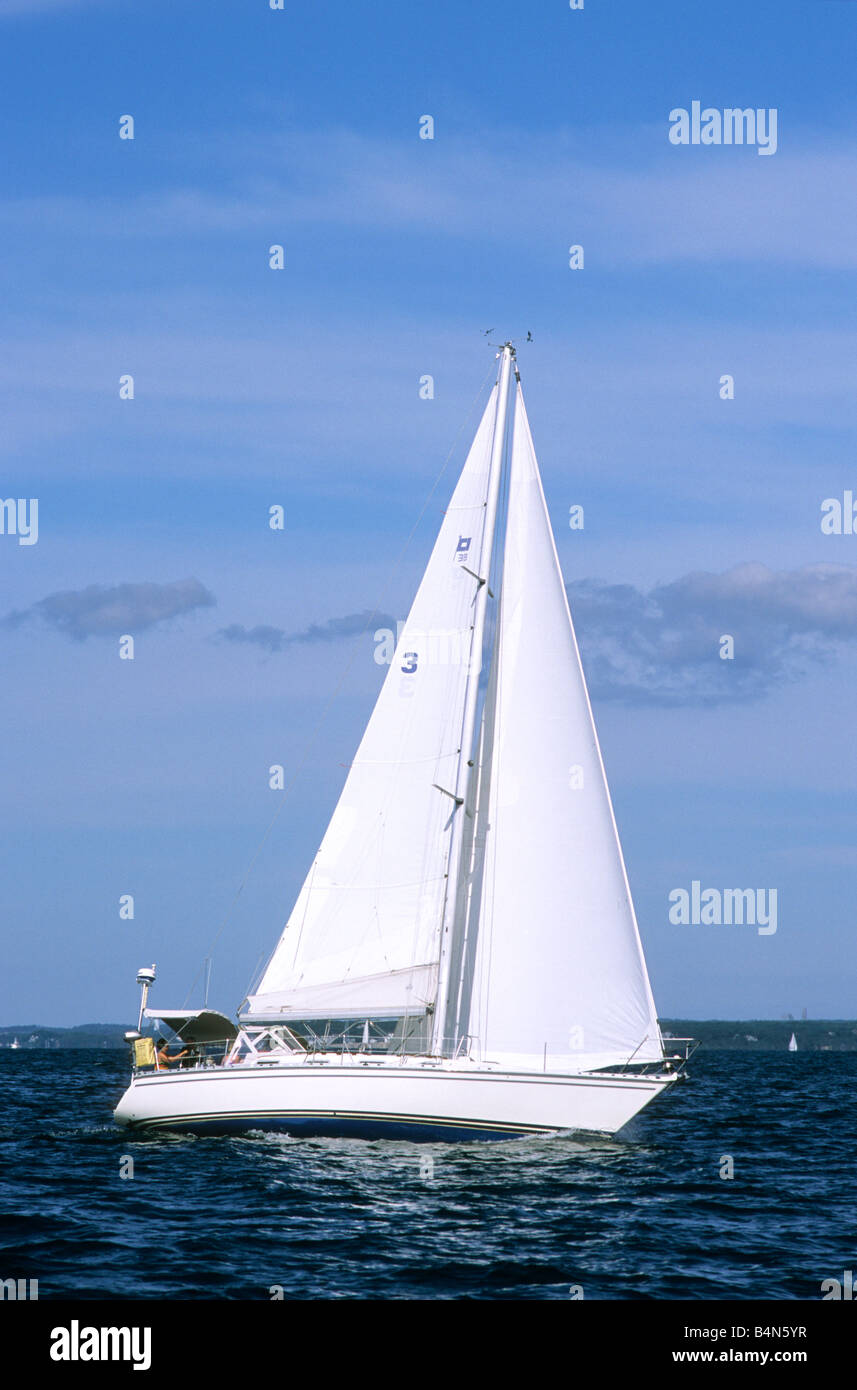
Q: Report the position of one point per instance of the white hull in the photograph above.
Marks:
(370, 1099)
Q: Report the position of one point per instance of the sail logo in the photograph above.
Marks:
(14, 520)
(729, 126)
(727, 906)
(462, 550)
(76, 1343)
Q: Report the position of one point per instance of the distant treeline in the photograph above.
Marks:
(33, 1036)
(767, 1034)
(750, 1035)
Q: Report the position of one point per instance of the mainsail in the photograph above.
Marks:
(364, 937)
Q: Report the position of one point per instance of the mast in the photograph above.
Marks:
(471, 878)
(467, 771)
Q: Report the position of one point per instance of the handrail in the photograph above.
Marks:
(269, 1046)
(200, 1055)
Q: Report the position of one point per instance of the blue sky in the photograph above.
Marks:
(300, 387)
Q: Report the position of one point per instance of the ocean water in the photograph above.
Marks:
(646, 1215)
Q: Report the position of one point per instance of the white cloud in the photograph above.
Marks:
(646, 205)
(662, 647)
(103, 611)
(203, 370)
(275, 639)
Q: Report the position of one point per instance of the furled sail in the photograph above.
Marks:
(363, 939)
(560, 980)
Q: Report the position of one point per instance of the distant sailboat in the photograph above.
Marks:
(14, 1044)
(463, 960)
(792, 1043)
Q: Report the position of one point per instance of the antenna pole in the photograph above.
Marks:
(145, 979)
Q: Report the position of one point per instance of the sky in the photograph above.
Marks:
(300, 387)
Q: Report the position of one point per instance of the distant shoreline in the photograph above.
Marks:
(735, 1035)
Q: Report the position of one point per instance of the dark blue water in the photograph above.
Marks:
(646, 1215)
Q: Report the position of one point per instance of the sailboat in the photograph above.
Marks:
(463, 960)
(792, 1043)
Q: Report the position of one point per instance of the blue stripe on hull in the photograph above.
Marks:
(416, 1129)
